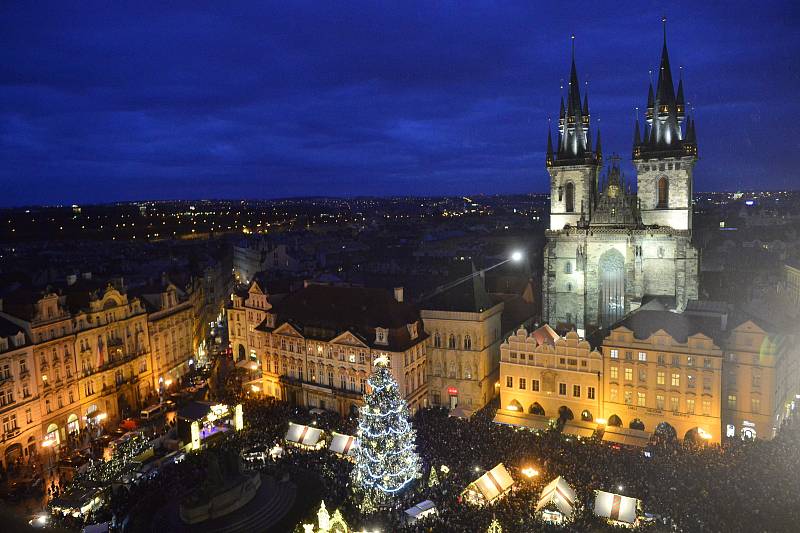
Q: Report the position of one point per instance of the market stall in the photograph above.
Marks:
(304, 436)
(491, 486)
(621, 510)
(419, 511)
(557, 502)
(343, 444)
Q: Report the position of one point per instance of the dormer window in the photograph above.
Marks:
(412, 330)
(381, 336)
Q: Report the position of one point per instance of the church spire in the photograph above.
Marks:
(549, 156)
(665, 111)
(574, 142)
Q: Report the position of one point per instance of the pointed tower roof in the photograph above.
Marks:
(637, 138)
(586, 102)
(599, 149)
(549, 156)
(574, 141)
(665, 113)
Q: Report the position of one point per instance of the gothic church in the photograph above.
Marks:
(609, 248)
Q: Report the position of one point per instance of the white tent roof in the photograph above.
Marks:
(343, 444)
(615, 507)
(494, 482)
(421, 510)
(561, 494)
(305, 435)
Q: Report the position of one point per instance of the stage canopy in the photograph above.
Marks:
(559, 493)
(626, 436)
(303, 435)
(421, 510)
(615, 507)
(490, 486)
(343, 444)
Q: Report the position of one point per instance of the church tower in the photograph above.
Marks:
(665, 155)
(573, 167)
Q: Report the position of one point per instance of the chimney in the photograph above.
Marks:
(71, 279)
(398, 294)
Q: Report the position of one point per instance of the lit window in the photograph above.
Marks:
(660, 377)
(640, 399)
(628, 374)
(614, 374)
(642, 356)
(676, 380)
(614, 353)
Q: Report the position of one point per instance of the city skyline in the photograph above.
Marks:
(111, 104)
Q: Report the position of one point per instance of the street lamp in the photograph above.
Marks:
(515, 256)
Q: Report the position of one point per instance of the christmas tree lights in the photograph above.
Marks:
(386, 461)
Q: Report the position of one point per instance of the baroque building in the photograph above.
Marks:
(608, 247)
(315, 347)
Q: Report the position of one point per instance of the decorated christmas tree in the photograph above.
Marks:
(386, 460)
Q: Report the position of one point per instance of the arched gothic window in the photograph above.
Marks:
(437, 340)
(467, 342)
(570, 200)
(663, 193)
(451, 342)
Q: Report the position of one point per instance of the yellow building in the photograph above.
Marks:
(19, 405)
(752, 403)
(51, 328)
(545, 375)
(464, 326)
(662, 372)
(171, 330)
(113, 352)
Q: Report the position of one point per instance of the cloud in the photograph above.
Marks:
(102, 102)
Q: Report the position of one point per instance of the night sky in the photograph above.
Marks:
(100, 102)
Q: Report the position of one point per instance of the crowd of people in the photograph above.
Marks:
(738, 486)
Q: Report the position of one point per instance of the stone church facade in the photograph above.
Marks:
(608, 247)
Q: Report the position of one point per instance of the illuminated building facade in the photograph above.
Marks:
(543, 374)
(19, 403)
(464, 326)
(662, 372)
(170, 327)
(609, 247)
(315, 347)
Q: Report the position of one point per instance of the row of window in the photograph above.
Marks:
(662, 360)
(565, 361)
(640, 398)
(661, 378)
(452, 342)
(522, 384)
(755, 404)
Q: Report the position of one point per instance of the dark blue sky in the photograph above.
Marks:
(100, 102)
